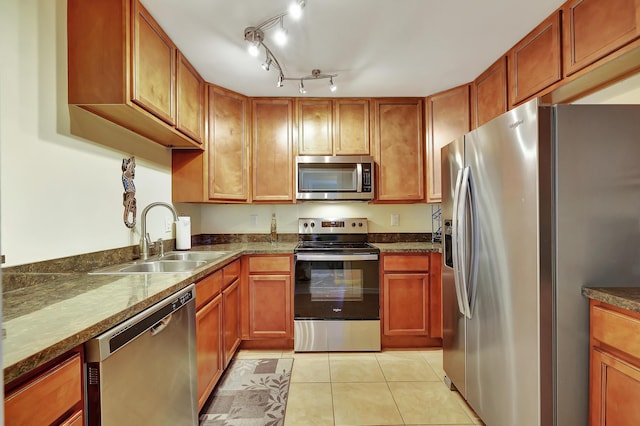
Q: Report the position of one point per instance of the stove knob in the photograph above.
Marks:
(360, 224)
(305, 224)
(353, 224)
(313, 224)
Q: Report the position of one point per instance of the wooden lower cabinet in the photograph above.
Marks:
(209, 347)
(217, 325)
(411, 300)
(231, 307)
(267, 301)
(614, 385)
(52, 396)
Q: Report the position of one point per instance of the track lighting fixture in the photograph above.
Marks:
(254, 36)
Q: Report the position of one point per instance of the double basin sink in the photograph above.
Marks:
(171, 263)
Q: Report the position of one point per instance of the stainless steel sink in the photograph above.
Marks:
(171, 263)
(170, 266)
(194, 255)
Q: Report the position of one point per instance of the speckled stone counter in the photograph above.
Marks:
(622, 297)
(59, 311)
(415, 247)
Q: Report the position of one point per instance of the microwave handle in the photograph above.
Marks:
(359, 177)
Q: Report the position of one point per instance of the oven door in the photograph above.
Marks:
(337, 286)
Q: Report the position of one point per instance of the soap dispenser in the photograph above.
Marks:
(274, 232)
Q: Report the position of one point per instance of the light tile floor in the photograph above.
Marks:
(395, 387)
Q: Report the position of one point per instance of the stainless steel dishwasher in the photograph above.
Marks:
(143, 371)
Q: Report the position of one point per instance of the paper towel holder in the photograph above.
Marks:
(183, 233)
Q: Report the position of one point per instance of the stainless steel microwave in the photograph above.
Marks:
(334, 177)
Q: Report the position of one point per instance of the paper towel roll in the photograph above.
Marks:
(183, 233)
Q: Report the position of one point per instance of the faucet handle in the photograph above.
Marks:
(160, 247)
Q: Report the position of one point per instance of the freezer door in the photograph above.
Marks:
(502, 333)
(453, 319)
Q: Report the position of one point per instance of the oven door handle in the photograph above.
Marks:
(336, 257)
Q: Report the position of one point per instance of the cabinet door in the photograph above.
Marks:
(228, 152)
(189, 101)
(534, 63)
(208, 347)
(435, 295)
(270, 313)
(593, 29)
(48, 396)
(489, 93)
(231, 304)
(351, 127)
(614, 391)
(399, 149)
(406, 304)
(154, 64)
(315, 124)
(448, 118)
(272, 150)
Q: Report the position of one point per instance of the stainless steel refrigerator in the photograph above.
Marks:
(537, 203)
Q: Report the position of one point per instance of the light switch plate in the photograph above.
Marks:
(254, 220)
(168, 222)
(395, 219)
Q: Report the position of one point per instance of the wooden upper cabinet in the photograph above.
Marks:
(122, 67)
(399, 149)
(272, 126)
(315, 125)
(489, 93)
(189, 100)
(535, 62)
(448, 118)
(228, 151)
(593, 29)
(154, 66)
(333, 127)
(351, 127)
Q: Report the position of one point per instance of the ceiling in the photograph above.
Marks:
(377, 47)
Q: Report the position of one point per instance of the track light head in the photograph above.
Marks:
(280, 82)
(301, 88)
(332, 86)
(280, 36)
(267, 64)
(295, 9)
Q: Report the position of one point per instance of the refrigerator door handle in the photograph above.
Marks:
(472, 234)
(462, 240)
(457, 269)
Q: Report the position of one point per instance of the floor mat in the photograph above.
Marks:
(253, 392)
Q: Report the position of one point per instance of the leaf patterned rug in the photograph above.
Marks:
(253, 392)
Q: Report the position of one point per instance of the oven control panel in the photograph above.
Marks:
(333, 226)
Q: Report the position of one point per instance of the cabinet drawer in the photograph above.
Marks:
(616, 329)
(269, 264)
(207, 288)
(406, 263)
(231, 272)
(43, 400)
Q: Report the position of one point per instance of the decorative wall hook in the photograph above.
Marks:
(129, 195)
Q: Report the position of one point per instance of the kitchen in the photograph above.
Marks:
(70, 169)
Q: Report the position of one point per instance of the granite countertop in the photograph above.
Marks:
(416, 247)
(621, 297)
(59, 311)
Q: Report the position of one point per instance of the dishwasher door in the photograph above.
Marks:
(143, 371)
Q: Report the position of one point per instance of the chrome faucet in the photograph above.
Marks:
(145, 240)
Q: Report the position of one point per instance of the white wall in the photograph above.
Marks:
(237, 219)
(626, 91)
(61, 195)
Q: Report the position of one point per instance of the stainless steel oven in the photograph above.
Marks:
(337, 287)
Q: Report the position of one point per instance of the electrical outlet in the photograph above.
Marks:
(254, 220)
(395, 219)
(168, 223)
